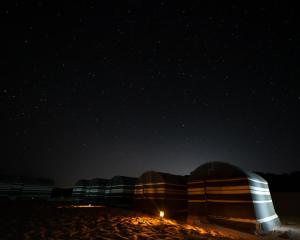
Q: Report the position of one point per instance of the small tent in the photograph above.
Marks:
(94, 191)
(5, 186)
(16, 188)
(157, 191)
(225, 194)
(36, 188)
(120, 191)
(79, 190)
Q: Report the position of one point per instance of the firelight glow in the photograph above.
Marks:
(161, 214)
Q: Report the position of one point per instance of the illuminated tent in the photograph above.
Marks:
(156, 191)
(120, 191)
(36, 188)
(94, 191)
(79, 190)
(224, 194)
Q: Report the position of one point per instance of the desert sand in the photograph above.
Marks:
(38, 221)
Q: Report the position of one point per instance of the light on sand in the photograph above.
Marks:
(161, 214)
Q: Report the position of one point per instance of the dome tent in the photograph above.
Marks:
(79, 190)
(5, 186)
(157, 191)
(225, 194)
(120, 191)
(94, 191)
(36, 188)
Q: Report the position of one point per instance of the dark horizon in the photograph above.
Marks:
(95, 89)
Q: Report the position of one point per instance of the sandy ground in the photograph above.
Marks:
(66, 222)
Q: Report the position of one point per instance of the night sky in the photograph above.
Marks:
(97, 89)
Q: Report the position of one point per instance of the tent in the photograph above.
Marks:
(12, 187)
(94, 191)
(79, 190)
(36, 188)
(157, 191)
(16, 189)
(225, 194)
(120, 191)
(5, 186)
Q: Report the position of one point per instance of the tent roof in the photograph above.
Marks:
(123, 180)
(158, 177)
(82, 182)
(221, 170)
(98, 182)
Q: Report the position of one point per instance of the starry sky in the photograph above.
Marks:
(103, 88)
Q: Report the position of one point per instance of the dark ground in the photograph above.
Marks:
(48, 221)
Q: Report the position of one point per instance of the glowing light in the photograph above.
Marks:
(161, 214)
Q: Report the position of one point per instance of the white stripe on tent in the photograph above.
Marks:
(267, 219)
(260, 193)
(254, 180)
(259, 189)
(230, 201)
(262, 201)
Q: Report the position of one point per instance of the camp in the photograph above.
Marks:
(120, 191)
(225, 194)
(161, 194)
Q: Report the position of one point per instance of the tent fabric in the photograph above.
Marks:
(26, 188)
(157, 191)
(225, 194)
(120, 191)
(79, 190)
(37, 188)
(94, 191)
(5, 186)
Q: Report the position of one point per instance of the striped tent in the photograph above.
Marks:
(36, 188)
(156, 191)
(120, 191)
(224, 194)
(5, 186)
(79, 190)
(16, 189)
(94, 191)
(107, 192)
